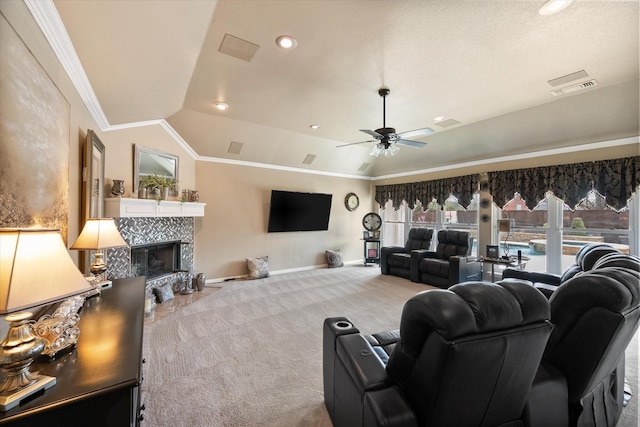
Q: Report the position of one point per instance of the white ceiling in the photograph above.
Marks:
(485, 63)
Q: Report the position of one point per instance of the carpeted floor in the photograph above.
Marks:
(251, 353)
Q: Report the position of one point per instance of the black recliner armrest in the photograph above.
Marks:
(388, 407)
(333, 328)
(416, 256)
(532, 276)
(365, 395)
(362, 362)
(385, 251)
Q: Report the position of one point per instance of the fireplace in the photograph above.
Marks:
(156, 260)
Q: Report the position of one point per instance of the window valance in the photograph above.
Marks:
(615, 179)
(463, 187)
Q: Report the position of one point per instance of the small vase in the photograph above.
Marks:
(153, 193)
(117, 190)
(165, 193)
(142, 193)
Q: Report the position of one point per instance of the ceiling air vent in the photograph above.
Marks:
(363, 167)
(238, 48)
(309, 159)
(578, 75)
(574, 88)
(447, 123)
(235, 147)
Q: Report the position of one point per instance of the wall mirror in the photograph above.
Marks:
(93, 156)
(93, 177)
(148, 161)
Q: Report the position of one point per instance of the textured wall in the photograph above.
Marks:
(143, 231)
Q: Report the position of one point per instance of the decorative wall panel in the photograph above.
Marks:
(34, 137)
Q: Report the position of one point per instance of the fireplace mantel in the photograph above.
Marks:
(122, 207)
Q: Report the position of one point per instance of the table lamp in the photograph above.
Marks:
(505, 225)
(99, 234)
(35, 270)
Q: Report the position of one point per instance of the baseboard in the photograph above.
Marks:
(216, 281)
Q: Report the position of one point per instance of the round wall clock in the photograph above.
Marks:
(372, 221)
(351, 202)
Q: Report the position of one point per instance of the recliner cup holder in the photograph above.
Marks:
(342, 325)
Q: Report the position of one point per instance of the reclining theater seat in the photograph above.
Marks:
(449, 264)
(580, 381)
(547, 283)
(466, 357)
(396, 260)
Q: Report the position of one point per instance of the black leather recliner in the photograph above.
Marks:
(396, 260)
(449, 263)
(580, 381)
(547, 283)
(466, 357)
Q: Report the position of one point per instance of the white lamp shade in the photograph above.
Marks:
(36, 270)
(99, 233)
(504, 225)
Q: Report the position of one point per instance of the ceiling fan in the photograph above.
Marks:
(387, 138)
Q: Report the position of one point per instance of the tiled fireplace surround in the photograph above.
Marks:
(147, 230)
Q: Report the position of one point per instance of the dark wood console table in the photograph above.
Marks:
(98, 383)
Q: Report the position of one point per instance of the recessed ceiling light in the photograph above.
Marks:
(438, 118)
(221, 105)
(314, 126)
(286, 42)
(554, 6)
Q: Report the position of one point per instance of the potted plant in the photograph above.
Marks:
(159, 185)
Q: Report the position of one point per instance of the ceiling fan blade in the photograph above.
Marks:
(355, 143)
(372, 133)
(414, 133)
(410, 143)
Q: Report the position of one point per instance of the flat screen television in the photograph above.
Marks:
(294, 211)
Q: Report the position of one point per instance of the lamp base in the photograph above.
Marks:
(9, 401)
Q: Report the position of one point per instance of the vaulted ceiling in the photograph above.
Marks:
(485, 64)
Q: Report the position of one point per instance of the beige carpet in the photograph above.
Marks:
(251, 353)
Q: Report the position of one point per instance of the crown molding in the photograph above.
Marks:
(46, 16)
(281, 168)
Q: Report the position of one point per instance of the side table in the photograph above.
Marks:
(512, 262)
(371, 251)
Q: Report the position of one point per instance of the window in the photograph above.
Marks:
(552, 245)
(393, 225)
(593, 221)
(528, 231)
(453, 216)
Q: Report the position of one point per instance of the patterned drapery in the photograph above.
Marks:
(463, 187)
(615, 179)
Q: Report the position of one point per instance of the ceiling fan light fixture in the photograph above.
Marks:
(387, 149)
(391, 151)
(554, 6)
(286, 42)
(377, 150)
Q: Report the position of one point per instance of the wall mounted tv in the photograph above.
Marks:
(293, 211)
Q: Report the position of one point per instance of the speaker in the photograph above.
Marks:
(485, 198)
